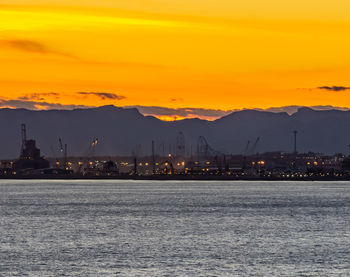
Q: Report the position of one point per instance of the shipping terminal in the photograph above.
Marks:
(205, 164)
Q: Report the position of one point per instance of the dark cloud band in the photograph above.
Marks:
(35, 102)
(334, 88)
(30, 46)
(37, 105)
(181, 112)
(104, 95)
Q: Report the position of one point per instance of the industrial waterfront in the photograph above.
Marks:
(200, 162)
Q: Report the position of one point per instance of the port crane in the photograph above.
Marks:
(245, 152)
(63, 150)
(254, 145)
(204, 150)
(90, 152)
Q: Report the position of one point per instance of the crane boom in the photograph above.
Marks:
(60, 144)
(246, 148)
(254, 146)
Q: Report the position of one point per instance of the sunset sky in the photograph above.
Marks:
(200, 54)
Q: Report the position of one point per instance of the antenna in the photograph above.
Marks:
(65, 155)
(24, 136)
(153, 158)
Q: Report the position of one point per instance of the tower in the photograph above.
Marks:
(180, 145)
(24, 136)
(153, 158)
(295, 132)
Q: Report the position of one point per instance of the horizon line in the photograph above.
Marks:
(177, 114)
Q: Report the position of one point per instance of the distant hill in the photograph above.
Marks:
(120, 130)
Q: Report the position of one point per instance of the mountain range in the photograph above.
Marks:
(121, 131)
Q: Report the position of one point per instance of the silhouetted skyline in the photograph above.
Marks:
(119, 131)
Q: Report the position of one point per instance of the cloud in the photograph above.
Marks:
(40, 48)
(38, 96)
(30, 46)
(104, 95)
(181, 112)
(212, 114)
(35, 102)
(334, 88)
(293, 109)
(26, 45)
(37, 105)
(39, 101)
(176, 99)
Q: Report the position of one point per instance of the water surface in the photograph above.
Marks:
(148, 228)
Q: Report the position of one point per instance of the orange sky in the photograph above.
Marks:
(220, 54)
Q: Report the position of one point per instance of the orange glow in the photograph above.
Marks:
(169, 118)
(220, 54)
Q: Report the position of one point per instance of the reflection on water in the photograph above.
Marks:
(145, 228)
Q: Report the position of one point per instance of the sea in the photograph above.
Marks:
(174, 228)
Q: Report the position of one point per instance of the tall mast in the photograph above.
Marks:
(24, 136)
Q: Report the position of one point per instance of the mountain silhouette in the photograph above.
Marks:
(121, 130)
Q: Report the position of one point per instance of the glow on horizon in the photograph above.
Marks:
(231, 55)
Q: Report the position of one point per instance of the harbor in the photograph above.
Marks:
(203, 164)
